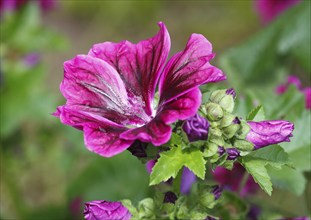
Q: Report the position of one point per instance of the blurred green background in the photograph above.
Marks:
(47, 173)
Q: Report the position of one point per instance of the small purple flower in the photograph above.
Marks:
(231, 92)
(266, 133)
(307, 93)
(187, 180)
(233, 153)
(217, 191)
(231, 179)
(170, 197)
(110, 92)
(101, 209)
(270, 9)
(221, 150)
(196, 128)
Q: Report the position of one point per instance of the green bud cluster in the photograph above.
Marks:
(226, 129)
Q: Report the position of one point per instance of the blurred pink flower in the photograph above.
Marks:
(110, 92)
(307, 93)
(294, 80)
(13, 5)
(270, 9)
(231, 179)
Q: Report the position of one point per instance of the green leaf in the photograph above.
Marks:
(257, 114)
(170, 162)
(259, 172)
(288, 179)
(255, 163)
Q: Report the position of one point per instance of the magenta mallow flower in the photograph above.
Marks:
(196, 128)
(270, 9)
(101, 209)
(231, 179)
(13, 5)
(266, 133)
(110, 91)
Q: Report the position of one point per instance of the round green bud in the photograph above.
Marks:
(227, 119)
(214, 111)
(231, 130)
(243, 131)
(244, 145)
(224, 98)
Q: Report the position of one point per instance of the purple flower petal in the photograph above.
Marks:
(187, 180)
(266, 133)
(196, 128)
(188, 69)
(139, 65)
(182, 108)
(100, 135)
(100, 209)
(155, 132)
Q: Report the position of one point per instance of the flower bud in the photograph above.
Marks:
(244, 145)
(196, 128)
(170, 197)
(101, 209)
(266, 133)
(221, 150)
(214, 111)
(146, 208)
(231, 130)
(225, 98)
(216, 190)
(228, 119)
(210, 150)
(243, 131)
(231, 92)
(233, 153)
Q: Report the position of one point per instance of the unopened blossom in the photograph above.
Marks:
(231, 179)
(217, 191)
(170, 197)
(266, 133)
(231, 92)
(13, 5)
(196, 128)
(233, 153)
(110, 91)
(101, 209)
(270, 9)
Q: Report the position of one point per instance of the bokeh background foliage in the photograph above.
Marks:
(47, 173)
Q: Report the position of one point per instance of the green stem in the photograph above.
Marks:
(243, 182)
